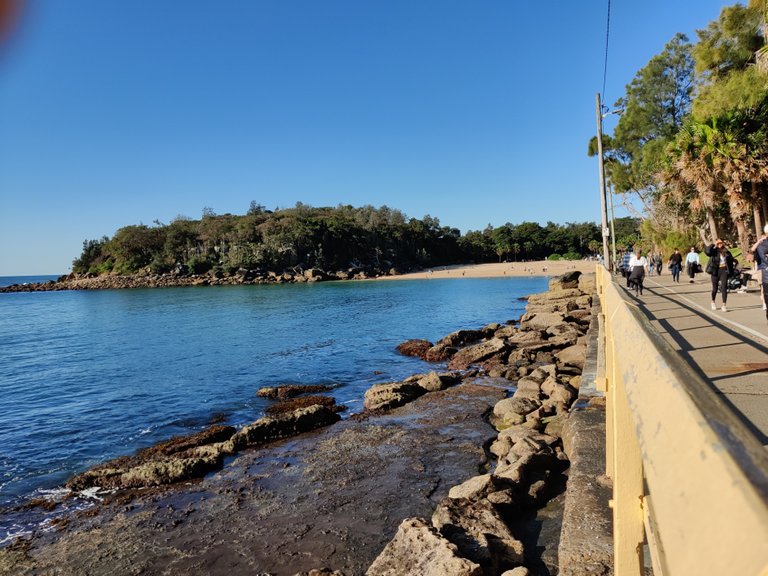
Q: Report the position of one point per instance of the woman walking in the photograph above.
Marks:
(720, 267)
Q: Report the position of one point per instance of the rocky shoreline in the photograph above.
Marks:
(352, 497)
(240, 277)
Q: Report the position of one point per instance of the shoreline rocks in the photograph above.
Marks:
(476, 528)
(543, 359)
(215, 277)
(189, 457)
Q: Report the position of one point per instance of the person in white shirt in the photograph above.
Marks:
(692, 263)
(637, 264)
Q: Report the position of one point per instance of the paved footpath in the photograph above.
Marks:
(729, 349)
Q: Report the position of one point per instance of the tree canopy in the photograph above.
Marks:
(329, 238)
(692, 141)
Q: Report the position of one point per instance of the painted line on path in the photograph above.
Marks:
(746, 329)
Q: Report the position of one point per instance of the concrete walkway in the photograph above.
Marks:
(728, 349)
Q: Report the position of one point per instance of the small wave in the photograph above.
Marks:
(13, 532)
(54, 494)
(95, 493)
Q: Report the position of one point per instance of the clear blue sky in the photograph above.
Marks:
(117, 113)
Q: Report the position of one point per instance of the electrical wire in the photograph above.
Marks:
(605, 62)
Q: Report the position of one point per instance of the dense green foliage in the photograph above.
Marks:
(328, 238)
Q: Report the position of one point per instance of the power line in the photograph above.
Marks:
(607, 36)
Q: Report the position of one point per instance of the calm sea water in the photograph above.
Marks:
(10, 280)
(90, 375)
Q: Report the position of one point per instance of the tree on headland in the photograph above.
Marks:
(310, 237)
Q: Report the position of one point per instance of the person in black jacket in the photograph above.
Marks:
(720, 266)
(676, 264)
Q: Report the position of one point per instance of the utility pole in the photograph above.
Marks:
(603, 211)
(613, 230)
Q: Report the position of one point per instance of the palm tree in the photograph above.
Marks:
(690, 175)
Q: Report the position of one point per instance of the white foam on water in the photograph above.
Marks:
(14, 532)
(94, 493)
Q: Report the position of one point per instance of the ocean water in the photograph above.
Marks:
(90, 375)
(11, 280)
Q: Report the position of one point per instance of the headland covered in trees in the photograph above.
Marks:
(317, 243)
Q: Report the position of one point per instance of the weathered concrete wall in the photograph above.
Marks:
(586, 540)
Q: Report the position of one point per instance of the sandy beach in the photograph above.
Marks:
(498, 270)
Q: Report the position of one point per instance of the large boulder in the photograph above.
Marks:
(540, 320)
(419, 550)
(522, 471)
(528, 337)
(474, 488)
(391, 395)
(479, 533)
(435, 381)
(293, 404)
(476, 353)
(290, 390)
(573, 356)
(511, 437)
(564, 281)
(414, 347)
(462, 337)
(512, 411)
(558, 392)
(315, 275)
(552, 297)
(440, 353)
(271, 428)
(506, 331)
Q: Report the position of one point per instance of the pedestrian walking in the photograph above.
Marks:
(692, 263)
(676, 265)
(760, 248)
(624, 266)
(720, 267)
(637, 264)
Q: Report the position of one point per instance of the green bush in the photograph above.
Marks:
(555, 257)
(199, 265)
(161, 264)
(104, 267)
(571, 256)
